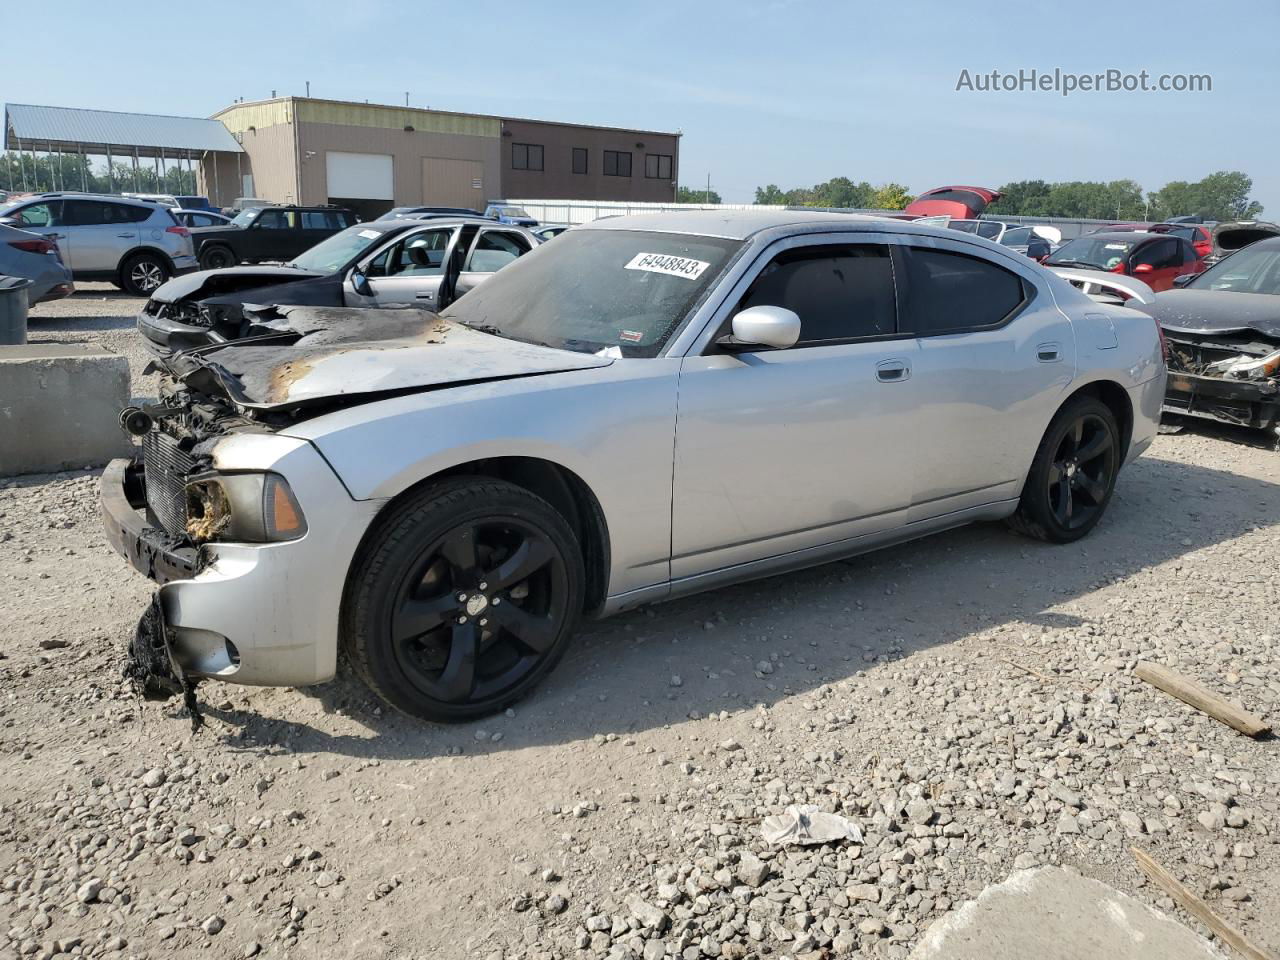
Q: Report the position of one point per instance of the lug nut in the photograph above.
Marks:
(496, 601)
(462, 598)
(483, 585)
(484, 622)
(462, 619)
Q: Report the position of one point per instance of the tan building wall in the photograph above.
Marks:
(557, 181)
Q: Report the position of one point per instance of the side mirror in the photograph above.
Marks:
(360, 284)
(775, 327)
(9, 221)
(1142, 268)
(1182, 279)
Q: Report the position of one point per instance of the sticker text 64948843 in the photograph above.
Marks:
(671, 266)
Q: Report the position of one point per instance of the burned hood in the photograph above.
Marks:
(342, 352)
(1217, 311)
(212, 283)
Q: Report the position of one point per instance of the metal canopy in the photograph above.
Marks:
(108, 131)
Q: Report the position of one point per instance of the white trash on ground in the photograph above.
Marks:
(805, 825)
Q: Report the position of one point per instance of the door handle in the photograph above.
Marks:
(424, 296)
(56, 236)
(1048, 352)
(893, 371)
(125, 236)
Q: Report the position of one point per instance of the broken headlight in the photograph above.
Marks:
(245, 507)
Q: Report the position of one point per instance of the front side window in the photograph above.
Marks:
(40, 215)
(276, 220)
(494, 250)
(624, 291)
(580, 160)
(526, 156)
(1159, 254)
(947, 292)
(657, 166)
(617, 163)
(839, 292)
(419, 255)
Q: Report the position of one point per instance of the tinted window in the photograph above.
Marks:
(275, 220)
(526, 156)
(494, 250)
(579, 159)
(948, 292)
(838, 292)
(1160, 254)
(657, 166)
(617, 163)
(322, 220)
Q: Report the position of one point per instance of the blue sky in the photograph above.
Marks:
(791, 92)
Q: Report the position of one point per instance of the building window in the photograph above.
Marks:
(657, 166)
(579, 159)
(617, 163)
(526, 156)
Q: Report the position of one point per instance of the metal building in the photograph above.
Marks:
(370, 157)
(134, 138)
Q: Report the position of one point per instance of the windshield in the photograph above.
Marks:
(246, 217)
(624, 291)
(1249, 271)
(512, 212)
(1100, 253)
(333, 253)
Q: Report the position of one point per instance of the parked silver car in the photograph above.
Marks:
(647, 407)
(29, 255)
(136, 244)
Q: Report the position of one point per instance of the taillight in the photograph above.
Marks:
(1164, 344)
(179, 230)
(36, 246)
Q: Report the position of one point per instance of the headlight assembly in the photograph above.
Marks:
(245, 507)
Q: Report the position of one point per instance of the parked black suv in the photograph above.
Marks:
(267, 233)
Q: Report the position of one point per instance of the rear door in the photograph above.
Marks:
(493, 250)
(104, 232)
(45, 218)
(316, 225)
(1163, 257)
(408, 271)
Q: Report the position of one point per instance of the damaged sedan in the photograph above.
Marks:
(395, 262)
(1223, 332)
(648, 407)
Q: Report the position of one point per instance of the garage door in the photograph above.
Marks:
(367, 176)
(452, 183)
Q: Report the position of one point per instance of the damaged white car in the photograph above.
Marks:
(648, 407)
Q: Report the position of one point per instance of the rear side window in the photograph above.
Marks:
(951, 292)
(322, 220)
(839, 292)
(494, 250)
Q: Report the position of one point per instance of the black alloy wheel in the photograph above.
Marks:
(463, 597)
(1073, 474)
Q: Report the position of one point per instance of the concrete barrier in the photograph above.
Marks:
(59, 407)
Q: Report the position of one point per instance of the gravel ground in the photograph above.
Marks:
(966, 700)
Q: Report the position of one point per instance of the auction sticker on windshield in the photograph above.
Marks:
(671, 266)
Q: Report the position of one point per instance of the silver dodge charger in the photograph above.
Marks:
(648, 407)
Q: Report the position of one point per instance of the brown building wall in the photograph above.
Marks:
(407, 150)
(268, 155)
(557, 181)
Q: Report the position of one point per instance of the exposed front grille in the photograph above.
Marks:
(167, 466)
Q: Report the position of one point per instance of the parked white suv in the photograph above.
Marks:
(136, 244)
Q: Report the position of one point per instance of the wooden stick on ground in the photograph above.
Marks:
(1197, 908)
(1201, 698)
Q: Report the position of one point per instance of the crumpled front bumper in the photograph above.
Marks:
(1247, 403)
(253, 613)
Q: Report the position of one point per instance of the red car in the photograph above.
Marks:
(959, 203)
(1199, 236)
(1153, 258)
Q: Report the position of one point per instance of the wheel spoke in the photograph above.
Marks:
(532, 555)
(1096, 489)
(1055, 473)
(1063, 510)
(531, 630)
(1096, 447)
(459, 551)
(416, 617)
(458, 678)
(1077, 434)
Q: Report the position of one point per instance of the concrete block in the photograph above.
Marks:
(59, 407)
(1052, 913)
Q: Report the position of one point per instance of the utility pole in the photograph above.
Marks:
(707, 197)
(406, 98)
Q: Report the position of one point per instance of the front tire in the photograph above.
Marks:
(217, 258)
(1073, 474)
(462, 599)
(142, 273)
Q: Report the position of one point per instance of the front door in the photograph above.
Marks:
(273, 235)
(45, 218)
(408, 271)
(783, 450)
(103, 232)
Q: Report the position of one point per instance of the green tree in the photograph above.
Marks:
(890, 196)
(1219, 196)
(770, 194)
(1018, 195)
(690, 195)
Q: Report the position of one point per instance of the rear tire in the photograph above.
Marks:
(1073, 474)
(217, 258)
(142, 273)
(462, 599)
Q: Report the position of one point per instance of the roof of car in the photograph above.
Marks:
(741, 224)
(1123, 236)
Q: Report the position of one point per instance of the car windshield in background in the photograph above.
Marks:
(1096, 252)
(246, 217)
(1249, 271)
(513, 212)
(619, 291)
(334, 253)
(1017, 236)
